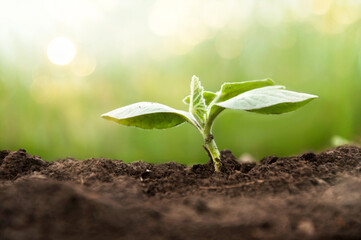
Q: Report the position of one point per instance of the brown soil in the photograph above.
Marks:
(311, 196)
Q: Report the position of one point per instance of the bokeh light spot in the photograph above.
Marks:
(215, 14)
(165, 16)
(83, 65)
(228, 46)
(61, 51)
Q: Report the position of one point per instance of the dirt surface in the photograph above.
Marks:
(310, 196)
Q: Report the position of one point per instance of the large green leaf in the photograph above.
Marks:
(148, 115)
(232, 89)
(207, 95)
(268, 100)
(197, 104)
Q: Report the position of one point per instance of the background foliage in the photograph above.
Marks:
(129, 51)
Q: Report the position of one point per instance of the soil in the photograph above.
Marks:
(310, 196)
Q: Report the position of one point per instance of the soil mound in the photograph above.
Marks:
(310, 196)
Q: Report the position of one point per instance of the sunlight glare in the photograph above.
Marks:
(61, 51)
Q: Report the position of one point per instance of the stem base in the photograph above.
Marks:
(212, 149)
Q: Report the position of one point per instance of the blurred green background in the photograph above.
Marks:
(121, 52)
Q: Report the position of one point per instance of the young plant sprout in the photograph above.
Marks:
(259, 96)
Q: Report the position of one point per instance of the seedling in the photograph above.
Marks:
(259, 96)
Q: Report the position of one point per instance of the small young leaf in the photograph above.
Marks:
(197, 104)
(268, 100)
(207, 95)
(187, 99)
(148, 115)
(232, 89)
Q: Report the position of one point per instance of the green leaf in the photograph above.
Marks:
(268, 100)
(197, 104)
(148, 115)
(187, 99)
(232, 89)
(207, 95)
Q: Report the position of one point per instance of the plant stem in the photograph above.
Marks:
(209, 143)
(212, 150)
